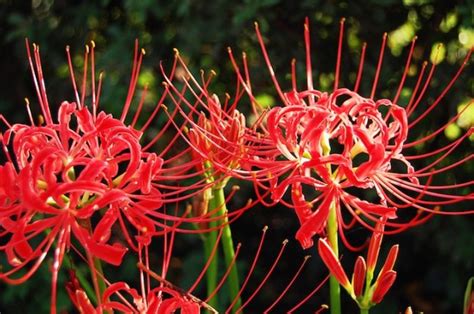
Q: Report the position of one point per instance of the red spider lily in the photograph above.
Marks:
(364, 272)
(71, 181)
(158, 300)
(167, 297)
(218, 137)
(224, 129)
(331, 143)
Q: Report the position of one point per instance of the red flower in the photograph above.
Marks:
(78, 177)
(218, 139)
(331, 143)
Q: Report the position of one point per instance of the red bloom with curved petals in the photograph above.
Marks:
(335, 143)
(76, 178)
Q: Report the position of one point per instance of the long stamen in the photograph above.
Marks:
(309, 68)
(379, 66)
(84, 77)
(288, 286)
(339, 52)
(93, 74)
(73, 79)
(405, 71)
(361, 67)
(269, 64)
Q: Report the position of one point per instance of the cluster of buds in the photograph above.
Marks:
(362, 288)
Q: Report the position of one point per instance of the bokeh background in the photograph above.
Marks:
(436, 259)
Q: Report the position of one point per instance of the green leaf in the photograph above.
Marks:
(468, 295)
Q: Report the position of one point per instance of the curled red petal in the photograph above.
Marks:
(332, 263)
(103, 229)
(382, 285)
(374, 246)
(390, 261)
(358, 277)
(112, 254)
(366, 207)
(316, 222)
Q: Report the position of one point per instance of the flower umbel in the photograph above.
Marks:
(321, 147)
(70, 182)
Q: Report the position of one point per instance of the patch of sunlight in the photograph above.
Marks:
(449, 21)
(323, 18)
(452, 132)
(466, 37)
(352, 39)
(78, 60)
(326, 80)
(412, 70)
(402, 36)
(265, 100)
(427, 11)
(415, 2)
(466, 119)
(405, 95)
(146, 77)
(63, 70)
(438, 53)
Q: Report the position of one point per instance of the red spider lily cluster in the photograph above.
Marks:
(69, 182)
(314, 149)
(86, 167)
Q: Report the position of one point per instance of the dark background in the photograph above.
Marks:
(436, 259)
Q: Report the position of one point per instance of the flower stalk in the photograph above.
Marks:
(334, 288)
(217, 206)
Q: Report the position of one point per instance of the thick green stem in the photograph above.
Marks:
(364, 311)
(334, 288)
(211, 273)
(100, 272)
(227, 246)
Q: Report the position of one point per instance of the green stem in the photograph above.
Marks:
(227, 246)
(211, 273)
(334, 288)
(100, 272)
(364, 311)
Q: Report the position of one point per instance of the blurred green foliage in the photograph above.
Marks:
(436, 259)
